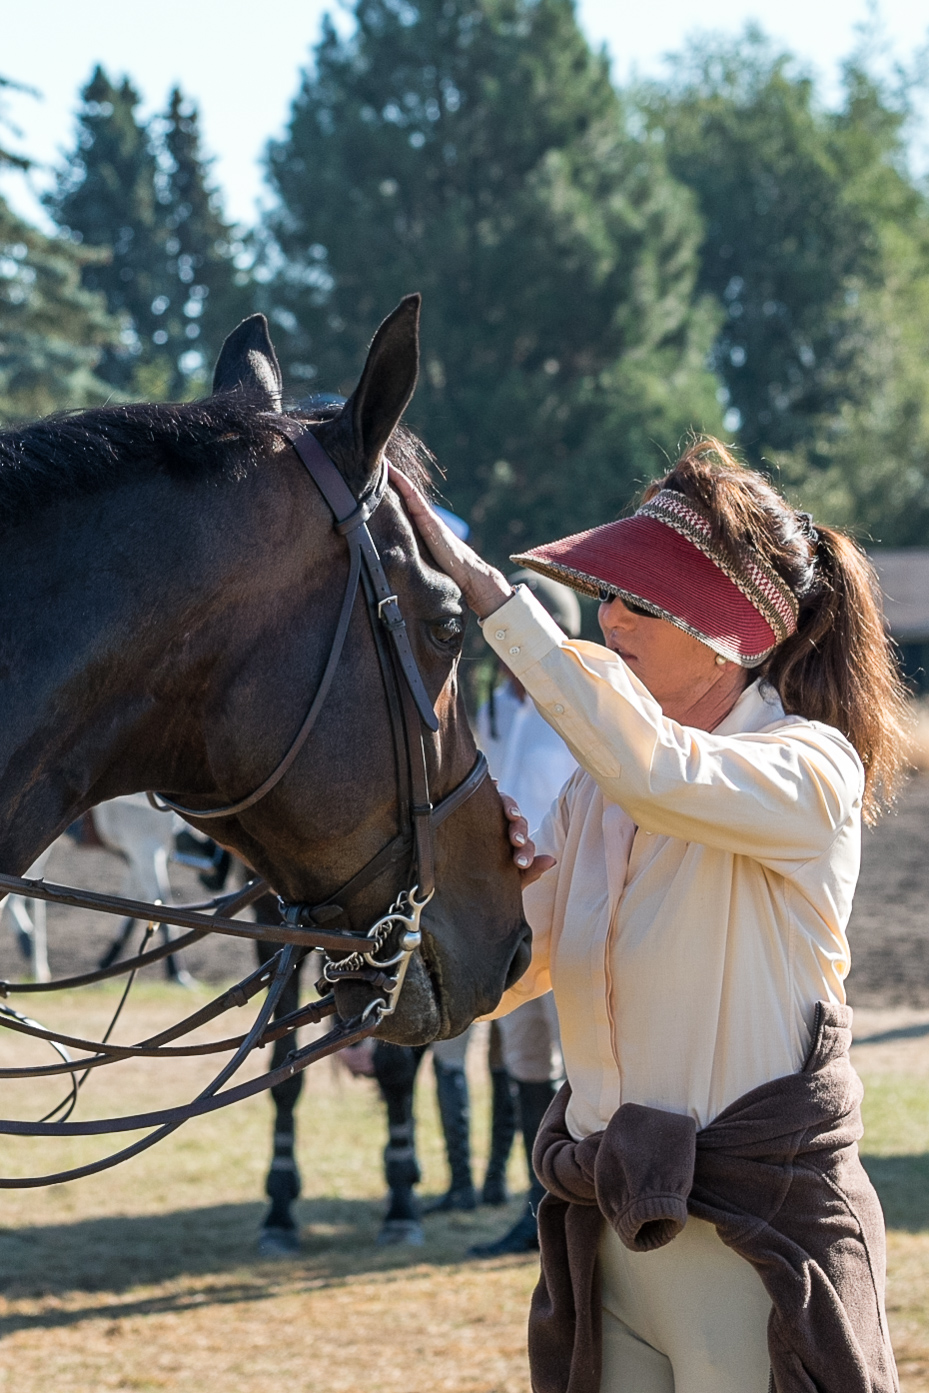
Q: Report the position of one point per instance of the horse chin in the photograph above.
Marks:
(417, 1019)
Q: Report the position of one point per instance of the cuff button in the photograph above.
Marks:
(558, 709)
(515, 649)
(501, 633)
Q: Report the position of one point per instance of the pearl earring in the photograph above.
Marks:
(720, 660)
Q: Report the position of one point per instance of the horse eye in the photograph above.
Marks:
(449, 632)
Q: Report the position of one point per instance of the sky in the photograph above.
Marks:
(241, 61)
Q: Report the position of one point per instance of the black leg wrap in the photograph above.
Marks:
(401, 1167)
(279, 1230)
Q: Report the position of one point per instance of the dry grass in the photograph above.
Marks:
(892, 1057)
(146, 1278)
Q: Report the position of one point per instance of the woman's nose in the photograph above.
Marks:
(615, 615)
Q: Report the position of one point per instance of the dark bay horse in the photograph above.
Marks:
(170, 583)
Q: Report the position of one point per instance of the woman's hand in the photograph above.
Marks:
(530, 865)
(484, 588)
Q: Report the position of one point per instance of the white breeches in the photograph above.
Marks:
(691, 1317)
(529, 1038)
(531, 1041)
(452, 1052)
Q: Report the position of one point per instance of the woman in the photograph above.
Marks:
(689, 906)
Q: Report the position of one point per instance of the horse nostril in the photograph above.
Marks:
(520, 959)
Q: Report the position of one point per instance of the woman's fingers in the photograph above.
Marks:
(483, 587)
(445, 547)
(517, 831)
(530, 866)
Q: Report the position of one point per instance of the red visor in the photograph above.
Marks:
(663, 559)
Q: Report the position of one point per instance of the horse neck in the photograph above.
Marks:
(109, 629)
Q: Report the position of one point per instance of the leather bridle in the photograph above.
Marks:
(305, 927)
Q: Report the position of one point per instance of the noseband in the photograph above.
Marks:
(305, 926)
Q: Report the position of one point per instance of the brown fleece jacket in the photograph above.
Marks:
(779, 1175)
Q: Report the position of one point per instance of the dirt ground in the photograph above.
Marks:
(889, 931)
(78, 938)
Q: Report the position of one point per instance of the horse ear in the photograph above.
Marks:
(387, 384)
(247, 363)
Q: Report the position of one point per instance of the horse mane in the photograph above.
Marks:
(76, 453)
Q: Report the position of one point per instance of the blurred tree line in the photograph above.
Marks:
(603, 270)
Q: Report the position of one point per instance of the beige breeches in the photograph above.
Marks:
(691, 1317)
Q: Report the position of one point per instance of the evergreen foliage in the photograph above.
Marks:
(52, 330)
(477, 151)
(10, 159)
(142, 194)
(817, 248)
(105, 197)
(205, 297)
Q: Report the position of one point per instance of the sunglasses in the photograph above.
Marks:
(608, 596)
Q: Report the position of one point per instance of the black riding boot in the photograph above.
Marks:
(454, 1110)
(502, 1132)
(523, 1237)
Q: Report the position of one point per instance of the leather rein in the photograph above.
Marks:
(379, 957)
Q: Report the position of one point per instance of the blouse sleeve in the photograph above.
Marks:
(779, 796)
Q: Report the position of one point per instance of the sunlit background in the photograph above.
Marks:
(715, 245)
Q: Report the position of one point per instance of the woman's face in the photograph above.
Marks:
(681, 673)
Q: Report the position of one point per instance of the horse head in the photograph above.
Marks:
(187, 597)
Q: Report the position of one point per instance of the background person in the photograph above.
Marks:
(530, 761)
(692, 895)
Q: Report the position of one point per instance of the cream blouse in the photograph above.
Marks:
(703, 885)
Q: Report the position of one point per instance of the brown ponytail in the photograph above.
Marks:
(839, 666)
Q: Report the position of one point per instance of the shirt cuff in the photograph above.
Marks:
(521, 631)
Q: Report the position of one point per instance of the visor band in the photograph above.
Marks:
(662, 561)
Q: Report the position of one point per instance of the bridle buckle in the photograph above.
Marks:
(382, 604)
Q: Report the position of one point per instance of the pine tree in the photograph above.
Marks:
(817, 249)
(52, 331)
(789, 244)
(203, 296)
(867, 467)
(477, 151)
(10, 159)
(106, 198)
